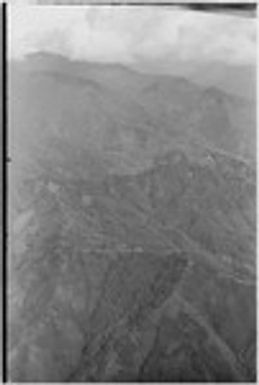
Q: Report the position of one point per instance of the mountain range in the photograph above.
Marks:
(133, 221)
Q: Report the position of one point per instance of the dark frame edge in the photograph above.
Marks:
(4, 189)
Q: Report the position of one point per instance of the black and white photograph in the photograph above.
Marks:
(131, 143)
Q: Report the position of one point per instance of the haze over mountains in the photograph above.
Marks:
(133, 226)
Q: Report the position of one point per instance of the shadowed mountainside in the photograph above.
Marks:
(133, 227)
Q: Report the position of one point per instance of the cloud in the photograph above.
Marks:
(129, 34)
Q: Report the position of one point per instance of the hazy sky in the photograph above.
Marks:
(131, 34)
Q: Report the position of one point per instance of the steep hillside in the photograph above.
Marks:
(133, 227)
